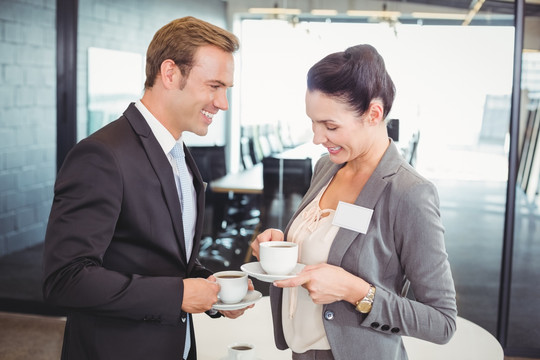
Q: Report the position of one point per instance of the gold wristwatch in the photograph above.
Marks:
(364, 305)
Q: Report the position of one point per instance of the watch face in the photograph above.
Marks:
(364, 306)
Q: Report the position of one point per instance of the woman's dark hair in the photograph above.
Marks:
(355, 76)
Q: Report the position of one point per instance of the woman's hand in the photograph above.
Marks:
(266, 235)
(328, 283)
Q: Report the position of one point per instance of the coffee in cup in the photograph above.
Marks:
(233, 286)
(241, 351)
(278, 257)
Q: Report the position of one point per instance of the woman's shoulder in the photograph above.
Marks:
(324, 164)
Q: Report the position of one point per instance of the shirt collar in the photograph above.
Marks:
(163, 136)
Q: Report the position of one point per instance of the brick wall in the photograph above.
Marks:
(28, 92)
(27, 120)
(129, 25)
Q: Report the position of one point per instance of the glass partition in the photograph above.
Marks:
(454, 87)
(525, 287)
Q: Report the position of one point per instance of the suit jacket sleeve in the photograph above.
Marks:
(419, 242)
(90, 195)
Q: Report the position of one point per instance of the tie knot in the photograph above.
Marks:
(178, 151)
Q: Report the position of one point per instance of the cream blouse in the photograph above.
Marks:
(314, 233)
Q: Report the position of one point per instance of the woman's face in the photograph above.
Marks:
(339, 129)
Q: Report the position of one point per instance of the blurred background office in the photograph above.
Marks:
(466, 115)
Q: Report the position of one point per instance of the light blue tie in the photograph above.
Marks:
(188, 216)
(186, 197)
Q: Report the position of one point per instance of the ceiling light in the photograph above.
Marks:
(473, 12)
(324, 12)
(442, 16)
(274, 11)
(375, 13)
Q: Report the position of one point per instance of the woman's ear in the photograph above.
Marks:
(169, 74)
(376, 112)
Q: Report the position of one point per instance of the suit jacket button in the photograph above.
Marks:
(375, 325)
(394, 330)
(329, 315)
(385, 328)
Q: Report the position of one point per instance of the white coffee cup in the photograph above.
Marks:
(233, 286)
(241, 351)
(278, 257)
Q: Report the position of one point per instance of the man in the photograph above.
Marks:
(124, 231)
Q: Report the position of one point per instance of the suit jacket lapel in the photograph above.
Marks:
(200, 191)
(368, 198)
(163, 171)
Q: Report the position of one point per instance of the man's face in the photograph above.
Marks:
(204, 92)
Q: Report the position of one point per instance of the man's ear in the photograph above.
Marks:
(169, 74)
(375, 112)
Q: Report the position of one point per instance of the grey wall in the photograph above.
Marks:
(27, 120)
(129, 25)
(28, 92)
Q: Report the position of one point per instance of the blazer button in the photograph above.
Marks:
(329, 315)
(394, 330)
(375, 325)
(385, 328)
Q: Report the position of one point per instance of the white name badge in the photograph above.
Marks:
(352, 217)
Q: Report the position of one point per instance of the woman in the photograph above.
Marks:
(367, 227)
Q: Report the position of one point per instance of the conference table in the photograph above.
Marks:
(250, 181)
(470, 342)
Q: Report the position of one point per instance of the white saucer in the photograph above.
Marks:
(254, 269)
(252, 297)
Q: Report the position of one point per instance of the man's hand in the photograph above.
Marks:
(199, 294)
(233, 314)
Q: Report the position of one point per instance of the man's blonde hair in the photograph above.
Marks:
(179, 40)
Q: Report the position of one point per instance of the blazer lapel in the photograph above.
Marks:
(368, 198)
(163, 171)
(200, 191)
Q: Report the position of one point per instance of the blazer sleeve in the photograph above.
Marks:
(419, 240)
(87, 203)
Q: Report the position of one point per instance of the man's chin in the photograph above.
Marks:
(202, 131)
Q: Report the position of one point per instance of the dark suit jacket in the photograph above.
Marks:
(114, 248)
(404, 240)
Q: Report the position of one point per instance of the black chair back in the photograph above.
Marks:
(210, 160)
(296, 176)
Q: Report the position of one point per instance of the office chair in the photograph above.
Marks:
(414, 148)
(296, 178)
(245, 152)
(221, 244)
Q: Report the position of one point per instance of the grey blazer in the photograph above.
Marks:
(404, 242)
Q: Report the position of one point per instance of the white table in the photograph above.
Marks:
(254, 327)
(470, 342)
